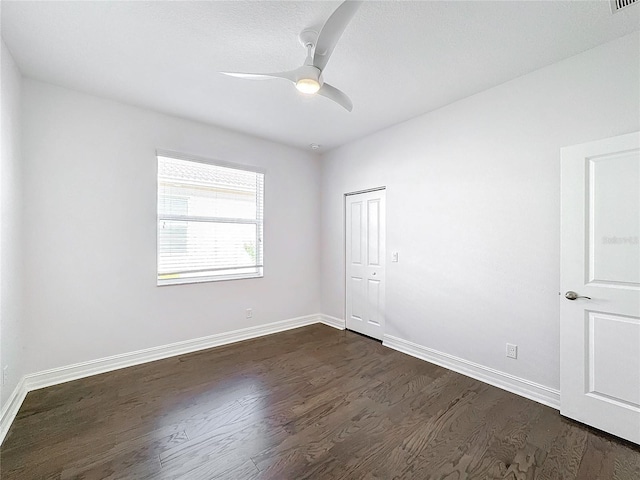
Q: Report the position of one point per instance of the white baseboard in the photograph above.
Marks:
(10, 410)
(68, 373)
(511, 383)
(55, 376)
(332, 321)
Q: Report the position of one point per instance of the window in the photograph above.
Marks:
(209, 221)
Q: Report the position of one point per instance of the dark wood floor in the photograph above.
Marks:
(308, 403)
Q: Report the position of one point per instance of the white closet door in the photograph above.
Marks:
(365, 258)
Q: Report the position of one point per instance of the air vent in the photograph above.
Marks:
(617, 5)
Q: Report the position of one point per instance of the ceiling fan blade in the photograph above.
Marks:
(262, 76)
(332, 31)
(332, 93)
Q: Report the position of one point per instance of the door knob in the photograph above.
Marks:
(573, 296)
(374, 273)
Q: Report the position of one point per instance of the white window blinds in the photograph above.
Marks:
(209, 221)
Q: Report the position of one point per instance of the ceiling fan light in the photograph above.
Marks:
(308, 85)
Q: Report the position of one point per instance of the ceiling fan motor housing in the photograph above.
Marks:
(309, 72)
(308, 79)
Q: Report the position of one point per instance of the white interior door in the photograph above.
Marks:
(600, 250)
(365, 259)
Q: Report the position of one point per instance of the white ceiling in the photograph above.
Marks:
(396, 60)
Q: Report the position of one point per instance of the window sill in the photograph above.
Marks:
(186, 281)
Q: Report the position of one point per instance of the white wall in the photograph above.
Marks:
(11, 320)
(90, 230)
(473, 207)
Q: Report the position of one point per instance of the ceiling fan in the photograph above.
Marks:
(308, 78)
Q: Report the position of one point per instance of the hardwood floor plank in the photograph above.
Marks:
(310, 403)
(220, 469)
(565, 455)
(133, 458)
(237, 440)
(313, 441)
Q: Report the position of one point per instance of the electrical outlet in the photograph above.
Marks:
(249, 313)
(394, 257)
(5, 374)
(512, 350)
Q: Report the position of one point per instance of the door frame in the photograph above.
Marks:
(344, 246)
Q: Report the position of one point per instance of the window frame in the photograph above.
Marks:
(259, 223)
